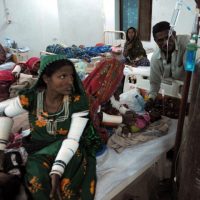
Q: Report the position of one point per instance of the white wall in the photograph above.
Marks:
(38, 23)
(110, 15)
(162, 10)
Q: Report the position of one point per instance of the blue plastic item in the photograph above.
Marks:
(101, 150)
(191, 56)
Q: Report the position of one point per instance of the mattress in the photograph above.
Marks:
(116, 171)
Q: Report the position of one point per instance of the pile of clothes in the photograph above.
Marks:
(80, 52)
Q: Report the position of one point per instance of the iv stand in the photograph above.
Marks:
(182, 114)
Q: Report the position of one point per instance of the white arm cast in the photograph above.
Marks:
(17, 69)
(5, 129)
(70, 145)
(11, 107)
(112, 118)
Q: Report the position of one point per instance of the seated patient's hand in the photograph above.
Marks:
(128, 117)
(129, 46)
(55, 187)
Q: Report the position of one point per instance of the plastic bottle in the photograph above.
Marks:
(141, 103)
(191, 55)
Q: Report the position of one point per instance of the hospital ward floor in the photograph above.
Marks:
(154, 184)
(163, 191)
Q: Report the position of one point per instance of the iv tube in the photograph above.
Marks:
(176, 13)
(174, 18)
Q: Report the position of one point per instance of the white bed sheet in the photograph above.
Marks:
(7, 66)
(116, 171)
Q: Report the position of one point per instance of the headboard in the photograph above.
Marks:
(114, 38)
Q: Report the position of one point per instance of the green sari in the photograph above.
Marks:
(47, 133)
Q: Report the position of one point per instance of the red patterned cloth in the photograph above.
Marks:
(31, 62)
(31, 66)
(6, 79)
(100, 85)
(6, 75)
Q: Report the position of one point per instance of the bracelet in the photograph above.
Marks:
(60, 162)
(55, 172)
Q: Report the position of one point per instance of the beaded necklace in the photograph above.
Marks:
(52, 119)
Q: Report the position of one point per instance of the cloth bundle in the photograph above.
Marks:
(25, 81)
(140, 122)
(76, 52)
(15, 160)
(169, 107)
(119, 141)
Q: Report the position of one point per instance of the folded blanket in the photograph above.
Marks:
(119, 141)
(25, 81)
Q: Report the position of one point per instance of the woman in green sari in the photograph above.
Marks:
(62, 144)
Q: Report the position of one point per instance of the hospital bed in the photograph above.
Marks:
(110, 37)
(139, 78)
(114, 38)
(116, 171)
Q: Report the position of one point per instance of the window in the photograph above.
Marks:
(136, 13)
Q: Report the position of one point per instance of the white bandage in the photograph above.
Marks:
(66, 152)
(70, 145)
(17, 69)
(112, 118)
(4, 104)
(80, 114)
(14, 108)
(76, 128)
(5, 129)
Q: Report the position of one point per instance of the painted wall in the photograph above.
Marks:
(38, 23)
(162, 10)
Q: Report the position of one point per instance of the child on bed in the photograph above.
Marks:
(30, 67)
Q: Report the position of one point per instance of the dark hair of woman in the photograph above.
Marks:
(135, 31)
(52, 68)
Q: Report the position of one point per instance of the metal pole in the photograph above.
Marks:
(181, 119)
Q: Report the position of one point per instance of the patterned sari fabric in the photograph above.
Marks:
(100, 85)
(79, 178)
(76, 52)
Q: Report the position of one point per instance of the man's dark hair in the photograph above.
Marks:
(160, 26)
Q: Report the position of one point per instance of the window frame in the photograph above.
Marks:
(144, 19)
